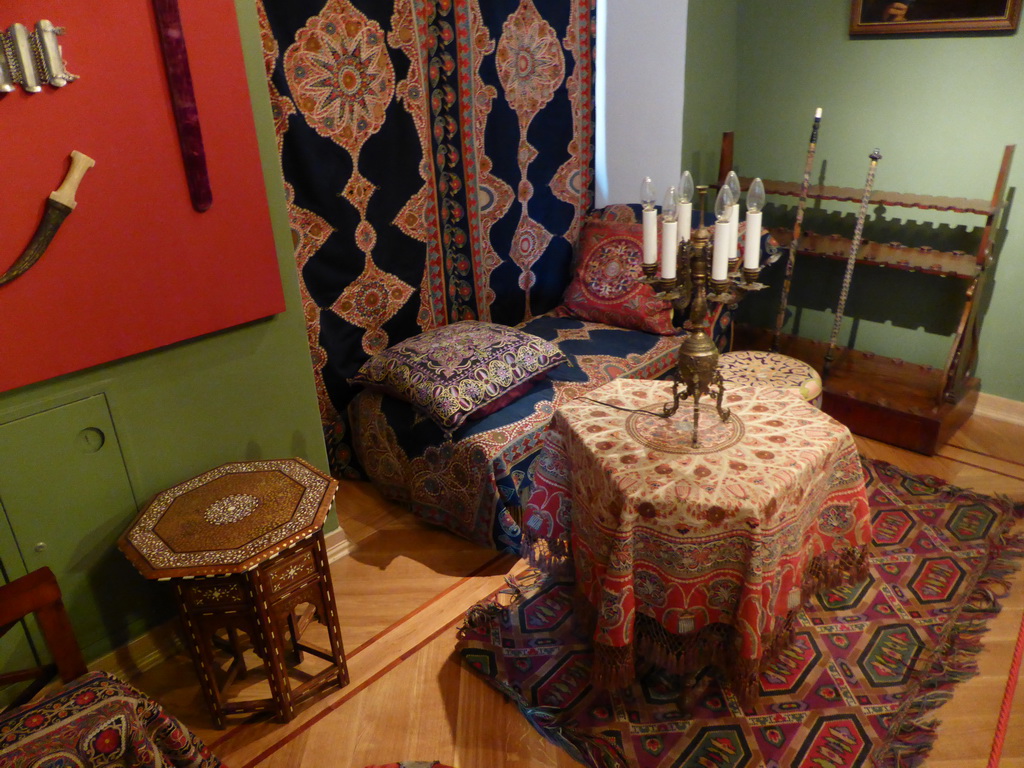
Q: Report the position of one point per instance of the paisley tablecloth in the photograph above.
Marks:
(696, 556)
(98, 720)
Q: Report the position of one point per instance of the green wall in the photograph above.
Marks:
(240, 394)
(940, 108)
(709, 95)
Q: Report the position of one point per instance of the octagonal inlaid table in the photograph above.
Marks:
(243, 547)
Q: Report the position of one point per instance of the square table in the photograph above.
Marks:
(690, 557)
(243, 547)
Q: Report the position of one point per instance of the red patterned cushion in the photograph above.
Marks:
(624, 212)
(450, 373)
(606, 285)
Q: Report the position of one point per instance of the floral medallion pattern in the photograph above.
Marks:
(340, 75)
(98, 720)
(418, 217)
(530, 68)
(530, 62)
(366, 300)
(488, 197)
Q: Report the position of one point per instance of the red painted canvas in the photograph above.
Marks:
(134, 267)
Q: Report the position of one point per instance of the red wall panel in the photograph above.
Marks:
(134, 267)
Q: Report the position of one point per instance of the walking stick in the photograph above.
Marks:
(791, 255)
(851, 259)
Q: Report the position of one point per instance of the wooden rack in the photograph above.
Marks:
(905, 404)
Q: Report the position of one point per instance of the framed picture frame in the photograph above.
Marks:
(905, 17)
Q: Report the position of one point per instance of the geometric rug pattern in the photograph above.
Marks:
(859, 684)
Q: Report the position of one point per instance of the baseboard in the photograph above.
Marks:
(143, 653)
(1000, 408)
(338, 544)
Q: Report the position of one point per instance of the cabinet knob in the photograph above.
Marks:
(40, 547)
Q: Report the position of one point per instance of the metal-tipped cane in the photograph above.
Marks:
(851, 259)
(805, 185)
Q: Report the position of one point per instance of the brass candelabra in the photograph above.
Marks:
(696, 374)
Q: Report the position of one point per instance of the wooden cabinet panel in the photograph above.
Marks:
(67, 496)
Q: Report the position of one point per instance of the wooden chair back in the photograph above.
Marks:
(725, 156)
(38, 593)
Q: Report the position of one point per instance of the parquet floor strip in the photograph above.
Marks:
(255, 739)
(349, 692)
(1006, 705)
(494, 561)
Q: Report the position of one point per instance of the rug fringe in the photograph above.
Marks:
(552, 556)
(715, 645)
(483, 613)
(955, 660)
(546, 721)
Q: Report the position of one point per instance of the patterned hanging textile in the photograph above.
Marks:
(438, 161)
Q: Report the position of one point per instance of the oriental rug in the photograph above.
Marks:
(859, 684)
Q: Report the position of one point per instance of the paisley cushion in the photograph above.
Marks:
(606, 286)
(460, 371)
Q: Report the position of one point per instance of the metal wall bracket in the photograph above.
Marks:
(32, 59)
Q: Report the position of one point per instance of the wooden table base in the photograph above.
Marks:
(263, 603)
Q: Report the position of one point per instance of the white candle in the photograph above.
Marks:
(669, 244)
(684, 215)
(752, 243)
(720, 255)
(650, 220)
(684, 206)
(734, 231)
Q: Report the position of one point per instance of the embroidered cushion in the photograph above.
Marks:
(606, 285)
(460, 371)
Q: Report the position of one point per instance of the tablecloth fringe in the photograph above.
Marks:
(548, 555)
(715, 645)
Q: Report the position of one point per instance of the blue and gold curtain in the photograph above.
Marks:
(438, 161)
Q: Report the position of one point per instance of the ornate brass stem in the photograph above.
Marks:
(697, 371)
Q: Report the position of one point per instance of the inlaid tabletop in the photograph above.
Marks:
(228, 520)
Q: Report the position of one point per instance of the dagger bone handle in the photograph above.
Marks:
(65, 193)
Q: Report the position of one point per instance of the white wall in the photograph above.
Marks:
(641, 54)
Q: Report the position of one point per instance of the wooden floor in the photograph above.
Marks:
(402, 594)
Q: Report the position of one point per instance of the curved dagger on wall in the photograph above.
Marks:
(60, 203)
